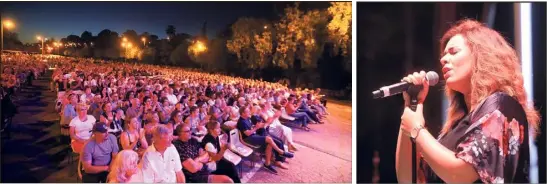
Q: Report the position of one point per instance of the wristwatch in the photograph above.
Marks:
(415, 132)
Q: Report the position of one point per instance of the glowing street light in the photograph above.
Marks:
(126, 46)
(200, 47)
(57, 45)
(8, 24)
(144, 41)
(124, 39)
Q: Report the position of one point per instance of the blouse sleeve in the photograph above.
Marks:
(492, 147)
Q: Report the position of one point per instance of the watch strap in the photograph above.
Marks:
(417, 129)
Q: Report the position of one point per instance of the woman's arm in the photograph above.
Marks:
(192, 165)
(203, 156)
(403, 156)
(443, 161)
(267, 121)
(73, 135)
(104, 120)
(124, 139)
(217, 156)
(142, 138)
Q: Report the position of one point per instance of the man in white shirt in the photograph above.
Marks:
(161, 161)
(171, 97)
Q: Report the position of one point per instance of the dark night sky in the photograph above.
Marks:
(60, 19)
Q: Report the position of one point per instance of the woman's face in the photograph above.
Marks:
(178, 117)
(216, 130)
(73, 99)
(203, 109)
(108, 107)
(155, 117)
(119, 113)
(134, 123)
(457, 64)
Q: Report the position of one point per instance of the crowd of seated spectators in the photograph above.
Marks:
(18, 72)
(147, 123)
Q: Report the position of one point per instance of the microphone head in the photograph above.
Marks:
(432, 77)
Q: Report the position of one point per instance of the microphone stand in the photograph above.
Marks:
(413, 93)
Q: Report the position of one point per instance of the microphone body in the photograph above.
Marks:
(394, 89)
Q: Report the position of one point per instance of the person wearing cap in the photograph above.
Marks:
(80, 127)
(98, 154)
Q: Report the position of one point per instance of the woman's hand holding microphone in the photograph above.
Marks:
(414, 120)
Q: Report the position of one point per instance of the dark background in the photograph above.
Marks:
(395, 39)
(170, 28)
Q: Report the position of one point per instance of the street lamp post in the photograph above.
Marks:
(144, 41)
(124, 53)
(57, 44)
(42, 39)
(127, 47)
(8, 25)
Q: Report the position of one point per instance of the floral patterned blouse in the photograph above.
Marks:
(493, 139)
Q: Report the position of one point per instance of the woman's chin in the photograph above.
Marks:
(450, 82)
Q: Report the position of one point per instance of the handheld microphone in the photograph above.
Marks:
(394, 89)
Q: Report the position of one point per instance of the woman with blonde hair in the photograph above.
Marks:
(485, 137)
(126, 168)
(133, 137)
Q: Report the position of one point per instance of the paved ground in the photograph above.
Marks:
(324, 153)
(35, 154)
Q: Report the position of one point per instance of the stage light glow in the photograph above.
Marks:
(524, 46)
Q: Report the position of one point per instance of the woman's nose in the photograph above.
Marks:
(444, 60)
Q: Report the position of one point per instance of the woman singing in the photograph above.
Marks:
(485, 137)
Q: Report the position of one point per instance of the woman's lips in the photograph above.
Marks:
(446, 75)
(445, 72)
